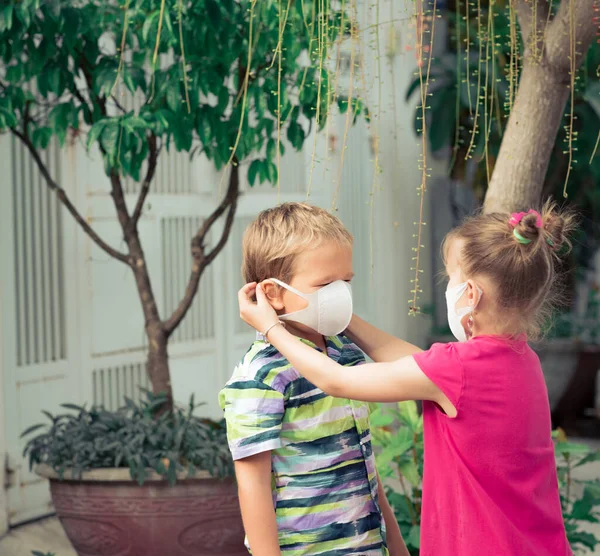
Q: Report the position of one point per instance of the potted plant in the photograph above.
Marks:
(231, 80)
(138, 480)
(398, 439)
(474, 87)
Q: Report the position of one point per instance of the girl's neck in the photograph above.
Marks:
(485, 324)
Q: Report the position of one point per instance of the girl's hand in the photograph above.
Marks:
(260, 315)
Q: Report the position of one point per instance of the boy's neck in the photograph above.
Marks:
(313, 337)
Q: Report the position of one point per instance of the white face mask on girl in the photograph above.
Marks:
(455, 315)
(329, 310)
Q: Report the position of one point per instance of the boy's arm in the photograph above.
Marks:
(256, 502)
(377, 344)
(395, 542)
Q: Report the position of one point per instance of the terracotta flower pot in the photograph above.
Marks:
(107, 514)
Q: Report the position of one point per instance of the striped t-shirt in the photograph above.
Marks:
(324, 476)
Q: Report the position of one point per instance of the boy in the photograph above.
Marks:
(304, 461)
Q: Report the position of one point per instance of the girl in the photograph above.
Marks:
(490, 484)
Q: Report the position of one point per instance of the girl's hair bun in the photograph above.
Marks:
(528, 227)
(558, 226)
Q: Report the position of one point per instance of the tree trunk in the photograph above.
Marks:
(528, 140)
(157, 364)
(556, 46)
(158, 358)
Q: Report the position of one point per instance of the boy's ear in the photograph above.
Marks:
(274, 294)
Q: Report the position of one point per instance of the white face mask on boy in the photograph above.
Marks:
(455, 315)
(329, 309)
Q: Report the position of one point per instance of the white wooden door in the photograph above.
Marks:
(39, 356)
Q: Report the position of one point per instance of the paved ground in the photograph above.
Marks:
(47, 536)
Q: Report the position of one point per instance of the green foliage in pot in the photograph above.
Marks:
(398, 439)
(137, 436)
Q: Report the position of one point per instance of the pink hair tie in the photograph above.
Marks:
(516, 217)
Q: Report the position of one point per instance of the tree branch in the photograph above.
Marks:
(574, 17)
(118, 104)
(116, 192)
(64, 199)
(152, 158)
(533, 19)
(200, 260)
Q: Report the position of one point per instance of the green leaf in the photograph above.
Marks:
(570, 448)
(61, 117)
(271, 172)
(592, 96)
(6, 18)
(41, 137)
(94, 133)
(31, 429)
(174, 100)
(253, 171)
(442, 119)
(214, 13)
(589, 458)
(150, 20)
(105, 78)
(271, 150)
(14, 73)
(136, 125)
(414, 537)
(128, 80)
(72, 406)
(414, 86)
(381, 419)
(296, 135)
(343, 104)
(55, 81)
(223, 99)
(409, 471)
(409, 414)
(24, 14)
(9, 117)
(582, 509)
(585, 539)
(109, 138)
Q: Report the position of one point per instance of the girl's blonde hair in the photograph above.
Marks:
(273, 241)
(523, 270)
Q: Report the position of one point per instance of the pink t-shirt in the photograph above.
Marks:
(490, 484)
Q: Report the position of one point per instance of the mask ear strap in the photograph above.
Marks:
(480, 296)
(289, 288)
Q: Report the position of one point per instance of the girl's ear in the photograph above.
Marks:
(274, 294)
(473, 294)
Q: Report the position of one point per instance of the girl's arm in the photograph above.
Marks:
(377, 344)
(374, 382)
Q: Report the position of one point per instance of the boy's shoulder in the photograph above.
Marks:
(263, 364)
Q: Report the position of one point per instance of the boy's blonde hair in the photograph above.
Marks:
(273, 241)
